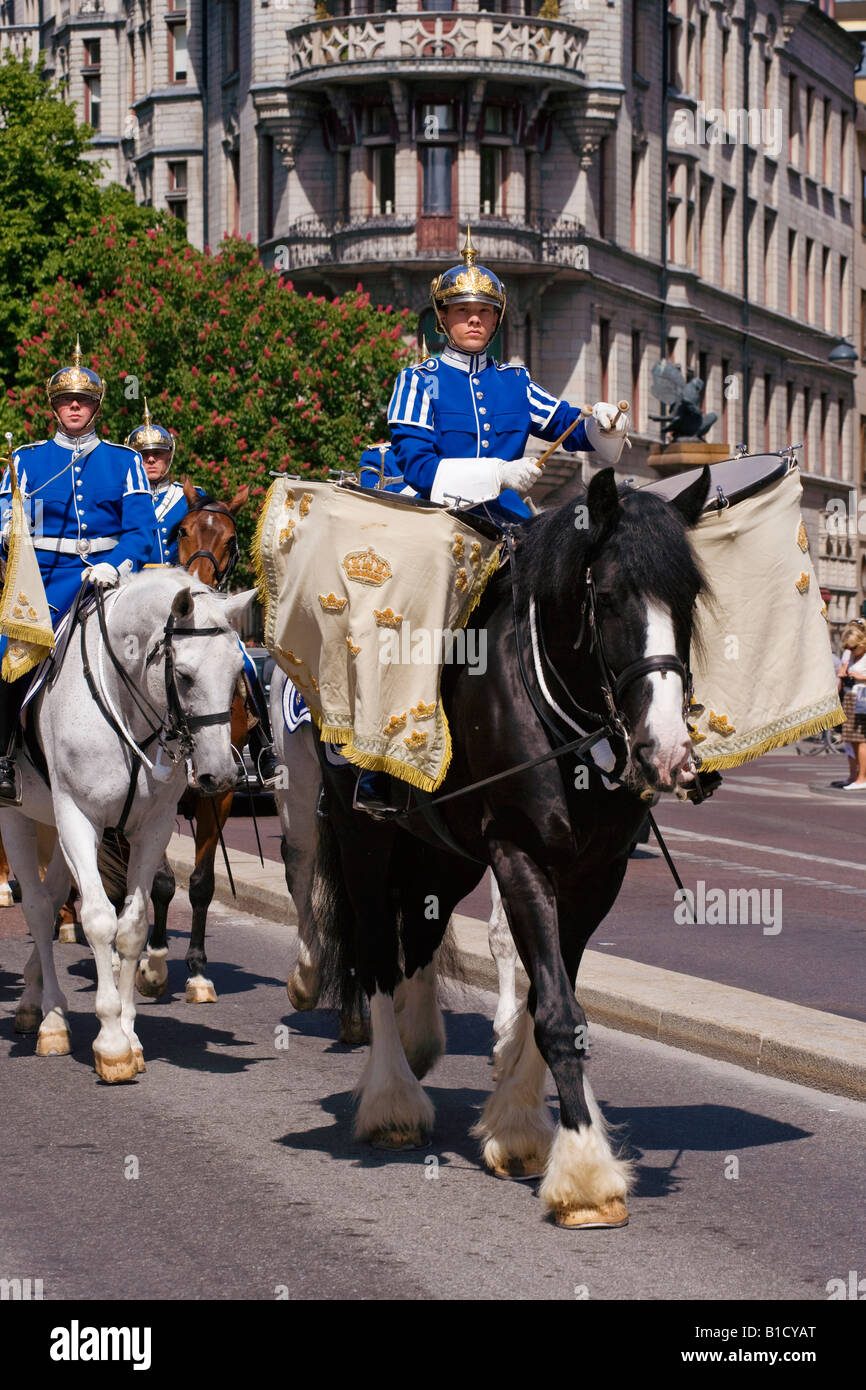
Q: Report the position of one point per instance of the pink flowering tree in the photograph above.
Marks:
(253, 376)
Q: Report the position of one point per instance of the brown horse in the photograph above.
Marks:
(208, 549)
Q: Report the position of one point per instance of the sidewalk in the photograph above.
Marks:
(763, 1034)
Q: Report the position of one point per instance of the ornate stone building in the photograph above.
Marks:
(650, 181)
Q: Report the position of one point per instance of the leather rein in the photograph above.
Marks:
(221, 576)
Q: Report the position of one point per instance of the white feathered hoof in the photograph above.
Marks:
(398, 1139)
(115, 1069)
(605, 1217)
(66, 934)
(300, 997)
(27, 1018)
(53, 1042)
(520, 1169)
(200, 991)
(354, 1030)
(151, 977)
(138, 1055)
(6, 897)
(398, 1117)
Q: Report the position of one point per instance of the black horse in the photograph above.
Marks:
(587, 632)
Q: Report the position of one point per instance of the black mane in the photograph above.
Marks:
(651, 546)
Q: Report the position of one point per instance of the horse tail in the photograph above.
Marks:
(339, 982)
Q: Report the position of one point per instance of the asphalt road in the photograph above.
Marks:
(766, 831)
(249, 1184)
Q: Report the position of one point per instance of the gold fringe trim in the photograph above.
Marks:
(807, 730)
(261, 580)
(41, 640)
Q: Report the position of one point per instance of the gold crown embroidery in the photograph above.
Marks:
(290, 656)
(366, 567)
(415, 740)
(802, 583)
(719, 723)
(457, 548)
(469, 281)
(286, 533)
(802, 538)
(352, 648)
(290, 500)
(694, 735)
(395, 724)
(305, 503)
(461, 582)
(387, 618)
(475, 555)
(331, 603)
(422, 711)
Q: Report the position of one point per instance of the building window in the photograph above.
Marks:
(769, 268)
(636, 358)
(93, 101)
(827, 160)
(726, 44)
(807, 411)
(674, 27)
(810, 130)
(637, 200)
(726, 372)
(92, 53)
(844, 134)
(768, 408)
(176, 195)
(382, 158)
(638, 37)
(674, 202)
(604, 355)
(826, 287)
(728, 275)
(810, 280)
(266, 187)
(604, 206)
(705, 260)
(491, 180)
(825, 412)
(793, 121)
(230, 37)
(792, 274)
(233, 192)
(436, 162)
(437, 119)
(529, 179)
(130, 61)
(789, 409)
(177, 56)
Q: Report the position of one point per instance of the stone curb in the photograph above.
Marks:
(770, 1036)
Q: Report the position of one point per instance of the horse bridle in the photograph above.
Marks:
(221, 576)
(181, 724)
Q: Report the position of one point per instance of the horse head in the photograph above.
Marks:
(643, 584)
(207, 538)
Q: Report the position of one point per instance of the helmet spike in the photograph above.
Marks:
(77, 356)
(424, 351)
(146, 412)
(469, 254)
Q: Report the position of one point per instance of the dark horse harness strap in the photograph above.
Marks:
(221, 576)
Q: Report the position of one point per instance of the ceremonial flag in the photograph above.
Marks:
(25, 619)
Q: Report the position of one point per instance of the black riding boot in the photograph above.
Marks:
(11, 697)
(260, 738)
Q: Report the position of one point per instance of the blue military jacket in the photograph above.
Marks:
(82, 490)
(171, 507)
(466, 405)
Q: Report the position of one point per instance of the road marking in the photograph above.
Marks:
(764, 849)
(835, 887)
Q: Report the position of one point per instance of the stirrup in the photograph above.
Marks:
(267, 783)
(375, 807)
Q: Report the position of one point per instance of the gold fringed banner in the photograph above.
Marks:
(25, 618)
(763, 668)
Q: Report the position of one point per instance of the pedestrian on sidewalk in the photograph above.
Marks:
(852, 688)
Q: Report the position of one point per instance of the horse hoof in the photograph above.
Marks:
(396, 1139)
(298, 996)
(147, 985)
(200, 992)
(138, 1054)
(6, 898)
(123, 1068)
(520, 1169)
(355, 1032)
(53, 1043)
(66, 934)
(27, 1019)
(609, 1215)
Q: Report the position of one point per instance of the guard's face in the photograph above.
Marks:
(74, 413)
(156, 463)
(471, 326)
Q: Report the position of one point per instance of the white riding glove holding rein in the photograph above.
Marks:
(478, 480)
(606, 433)
(103, 576)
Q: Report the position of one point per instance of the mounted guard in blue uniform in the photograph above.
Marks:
(89, 508)
(156, 444)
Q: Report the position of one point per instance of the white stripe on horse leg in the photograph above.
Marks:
(419, 1019)
(393, 1109)
(516, 1126)
(504, 953)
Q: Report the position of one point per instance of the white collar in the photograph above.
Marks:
(80, 442)
(464, 361)
(163, 485)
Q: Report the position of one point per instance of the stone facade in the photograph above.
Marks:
(650, 183)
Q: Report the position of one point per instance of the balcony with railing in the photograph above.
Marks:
(369, 240)
(17, 39)
(459, 43)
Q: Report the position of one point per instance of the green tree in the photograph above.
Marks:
(253, 376)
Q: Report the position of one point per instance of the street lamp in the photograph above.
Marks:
(843, 352)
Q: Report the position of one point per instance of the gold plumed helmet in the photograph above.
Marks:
(150, 436)
(468, 283)
(76, 381)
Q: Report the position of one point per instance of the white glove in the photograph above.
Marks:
(606, 435)
(104, 576)
(520, 475)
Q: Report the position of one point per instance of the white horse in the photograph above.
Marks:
(298, 809)
(169, 696)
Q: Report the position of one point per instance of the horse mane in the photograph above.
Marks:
(652, 548)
